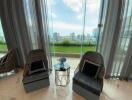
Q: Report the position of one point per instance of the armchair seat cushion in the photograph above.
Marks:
(35, 77)
(88, 83)
(37, 66)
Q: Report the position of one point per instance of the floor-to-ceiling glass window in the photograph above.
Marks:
(73, 28)
(90, 24)
(3, 46)
(73, 25)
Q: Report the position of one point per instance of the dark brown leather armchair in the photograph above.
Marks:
(8, 62)
(33, 56)
(85, 85)
(40, 78)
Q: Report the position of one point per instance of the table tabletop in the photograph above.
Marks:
(58, 66)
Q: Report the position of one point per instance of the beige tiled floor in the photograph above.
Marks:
(11, 88)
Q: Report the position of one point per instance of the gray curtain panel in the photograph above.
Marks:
(122, 59)
(25, 26)
(108, 35)
(14, 27)
(114, 40)
(127, 65)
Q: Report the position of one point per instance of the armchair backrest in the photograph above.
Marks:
(36, 55)
(95, 58)
(10, 58)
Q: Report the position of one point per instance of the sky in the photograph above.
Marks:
(1, 30)
(66, 16)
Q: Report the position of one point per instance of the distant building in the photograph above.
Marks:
(56, 37)
(73, 37)
(78, 37)
(94, 35)
(85, 38)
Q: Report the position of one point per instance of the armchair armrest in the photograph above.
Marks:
(76, 70)
(101, 83)
(26, 69)
(101, 73)
(101, 77)
(2, 64)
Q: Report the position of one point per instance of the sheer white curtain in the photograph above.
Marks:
(36, 18)
(31, 21)
(41, 7)
(115, 36)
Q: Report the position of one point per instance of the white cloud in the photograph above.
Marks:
(79, 16)
(52, 14)
(50, 3)
(93, 5)
(75, 5)
(64, 27)
(92, 9)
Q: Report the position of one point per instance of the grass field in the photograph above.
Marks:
(3, 48)
(62, 49)
(72, 49)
